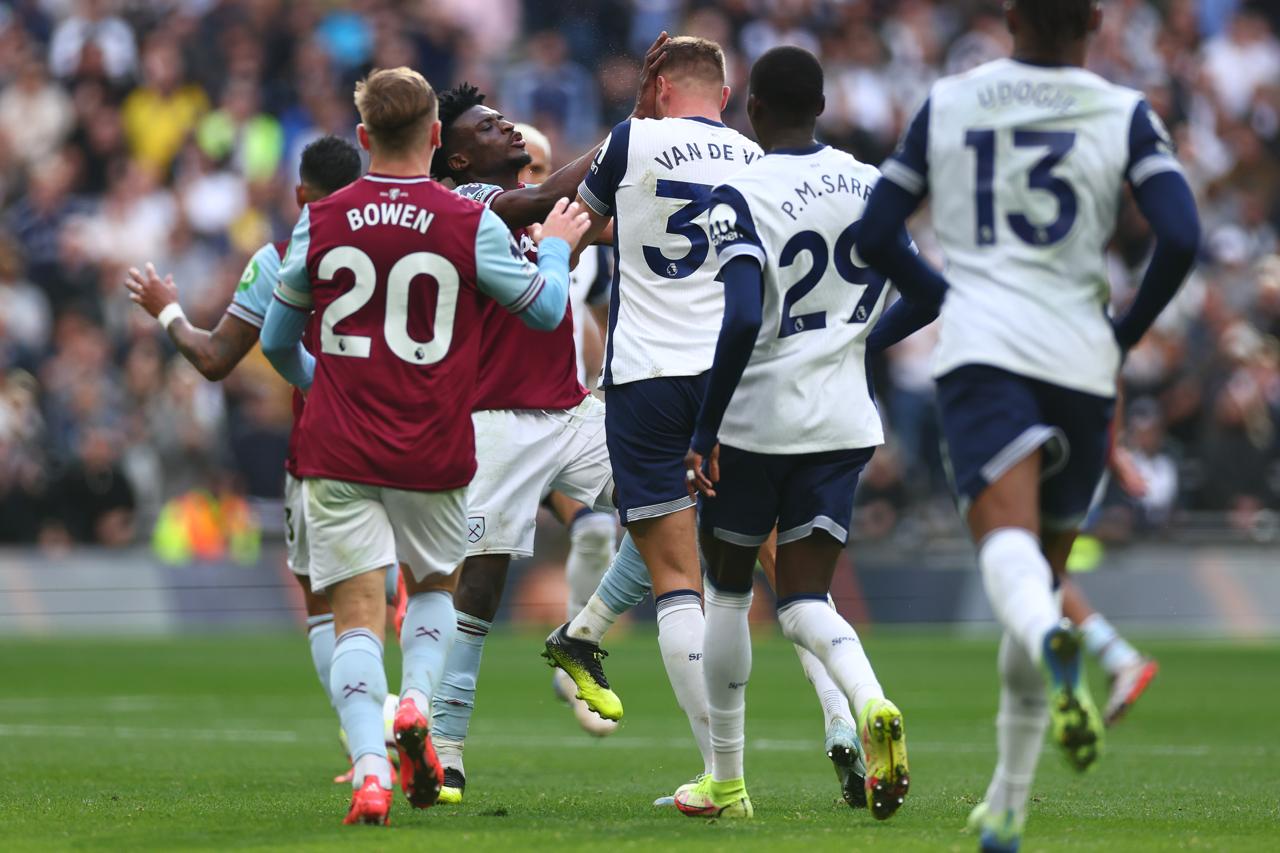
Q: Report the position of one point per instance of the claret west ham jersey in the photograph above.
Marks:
(522, 368)
(654, 176)
(1025, 166)
(390, 267)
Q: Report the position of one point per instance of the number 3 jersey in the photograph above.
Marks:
(1026, 165)
(805, 389)
(396, 270)
(654, 176)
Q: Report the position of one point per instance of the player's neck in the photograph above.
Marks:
(508, 180)
(787, 139)
(692, 108)
(403, 166)
(1036, 54)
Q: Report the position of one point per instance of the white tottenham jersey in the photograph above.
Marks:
(805, 389)
(654, 176)
(1025, 165)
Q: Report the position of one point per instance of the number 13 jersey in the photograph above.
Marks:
(654, 176)
(1025, 165)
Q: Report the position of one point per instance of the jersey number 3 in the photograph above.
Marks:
(395, 325)
(682, 223)
(1059, 143)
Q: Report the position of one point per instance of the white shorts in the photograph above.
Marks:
(356, 528)
(523, 454)
(298, 553)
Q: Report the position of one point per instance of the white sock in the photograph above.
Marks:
(320, 637)
(449, 750)
(1019, 585)
(680, 636)
(835, 706)
(593, 621)
(592, 538)
(1105, 643)
(1020, 727)
(726, 663)
(815, 625)
(430, 625)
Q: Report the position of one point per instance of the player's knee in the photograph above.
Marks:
(593, 532)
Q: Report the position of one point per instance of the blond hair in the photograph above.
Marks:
(694, 57)
(396, 106)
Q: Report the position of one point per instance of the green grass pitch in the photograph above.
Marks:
(226, 742)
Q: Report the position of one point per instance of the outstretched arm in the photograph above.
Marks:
(522, 207)
(213, 353)
(282, 343)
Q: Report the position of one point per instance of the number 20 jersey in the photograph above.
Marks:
(655, 177)
(391, 265)
(1025, 166)
(805, 389)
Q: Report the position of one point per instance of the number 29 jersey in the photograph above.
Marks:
(1025, 166)
(805, 389)
(654, 176)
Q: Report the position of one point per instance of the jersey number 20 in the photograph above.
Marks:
(395, 325)
(1041, 177)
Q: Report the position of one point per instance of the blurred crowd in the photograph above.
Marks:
(170, 131)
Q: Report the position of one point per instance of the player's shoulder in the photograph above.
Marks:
(479, 191)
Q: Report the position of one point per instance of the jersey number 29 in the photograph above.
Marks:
(395, 325)
(816, 245)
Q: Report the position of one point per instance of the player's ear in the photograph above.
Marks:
(822, 105)
(435, 134)
(1011, 17)
(724, 98)
(300, 195)
(458, 162)
(1095, 18)
(362, 136)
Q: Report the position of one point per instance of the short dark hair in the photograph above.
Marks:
(329, 164)
(453, 103)
(788, 80)
(1056, 22)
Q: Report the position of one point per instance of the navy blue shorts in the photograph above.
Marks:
(992, 419)
(648, 427)
(799, 493)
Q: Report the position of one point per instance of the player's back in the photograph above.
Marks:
(797, 212)
(397, 329)
(655, 176)
(1026, 165)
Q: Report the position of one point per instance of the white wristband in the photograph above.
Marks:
(169, 313)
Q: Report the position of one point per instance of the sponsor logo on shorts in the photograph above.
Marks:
(838, 640)
(475, 528)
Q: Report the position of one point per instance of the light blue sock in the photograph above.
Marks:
(626, 583)
(455, 698)
(320, 636)
(358, 687)
(426, 637)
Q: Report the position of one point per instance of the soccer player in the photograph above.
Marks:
(1026, 160)
(798, 309)
(397, 270)
(655, 175)
(328, 164)
(536, 426)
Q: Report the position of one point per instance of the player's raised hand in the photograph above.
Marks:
(701, 474)
(149, 290)
(567, 220)
(647, 96)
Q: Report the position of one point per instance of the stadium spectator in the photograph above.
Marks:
(185, 153)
